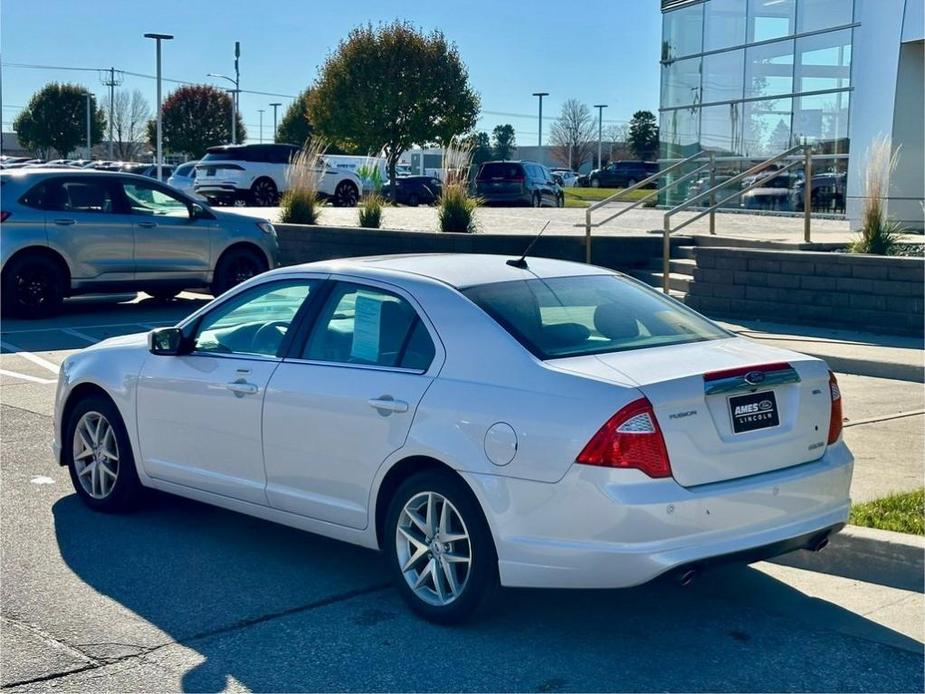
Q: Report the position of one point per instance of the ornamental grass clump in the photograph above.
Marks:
(456, 206)
(300, 204)
(371, 211)
(879, 234)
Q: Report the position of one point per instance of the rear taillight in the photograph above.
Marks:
(4, 215)
(630, 439)
(835, 422)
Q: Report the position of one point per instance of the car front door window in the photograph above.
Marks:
(146, 199)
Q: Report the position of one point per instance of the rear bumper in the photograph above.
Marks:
(604, 528)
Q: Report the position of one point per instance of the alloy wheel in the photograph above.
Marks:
(264, 193)
(242, 270)
(433, 548)
(33, 287)
(96, 455)
(346, 195)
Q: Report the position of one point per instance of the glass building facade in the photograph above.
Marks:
(752, 78)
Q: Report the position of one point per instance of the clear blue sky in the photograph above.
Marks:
(598, 51)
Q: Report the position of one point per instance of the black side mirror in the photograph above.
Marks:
(165, 341)
(197, 211)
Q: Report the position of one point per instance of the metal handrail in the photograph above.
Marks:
(636, 186)
(710, 193)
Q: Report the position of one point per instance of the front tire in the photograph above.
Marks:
(236, 266)
(33, 287)
(439, 548)
(346, 195)
(537, 200)
(595, 183)
(99, 457)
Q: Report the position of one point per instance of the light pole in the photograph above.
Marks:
(539, 139)
(89, 129)
(234, 105)
(600, 130)
(159, 149)
(260, 136)
(275, 106)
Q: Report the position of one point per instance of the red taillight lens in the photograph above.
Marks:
(630, 439)
(4, 215)
(835, 422)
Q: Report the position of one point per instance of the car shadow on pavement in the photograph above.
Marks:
(274, 608)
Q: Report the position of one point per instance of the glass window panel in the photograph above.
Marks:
(722, 76)
(682, 32)
(822, 120)
(814, 15)
(678, 133)
(681, 83)
(769, 69)
(721, 128)
(770, 19)
(766, 127)
(823, 61)
(724, 24)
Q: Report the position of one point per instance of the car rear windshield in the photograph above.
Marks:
(501, 170)
(226, 154)
(592, 314)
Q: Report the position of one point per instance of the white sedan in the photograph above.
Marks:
(541, 424)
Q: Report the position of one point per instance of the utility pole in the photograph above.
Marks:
(539, 139)
(112, 83)
(159, 149)
(260, 136)
(275, 106)
(89, 129)
(600, 130)
(237, 91)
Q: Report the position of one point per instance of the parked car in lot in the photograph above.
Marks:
(773, 194)
(415, 190)
(518, 183)
(569, 178)
(622, 174)
(183, 178)
(546, 424)
(828, 193)
(83, 231)
(149, 170)
(256, 175)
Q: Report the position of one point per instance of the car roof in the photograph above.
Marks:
(458, 270)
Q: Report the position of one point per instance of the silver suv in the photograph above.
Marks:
(75, 231)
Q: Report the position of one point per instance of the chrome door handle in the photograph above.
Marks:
(147, 225)
(241, 388)
(65, 222)
(387, 403)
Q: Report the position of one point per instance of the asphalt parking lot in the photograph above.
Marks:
(182, 596)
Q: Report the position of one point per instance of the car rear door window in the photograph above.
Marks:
(369, 326)
(78, 195)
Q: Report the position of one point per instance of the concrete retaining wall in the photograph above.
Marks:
(300, 244)
(876, 293)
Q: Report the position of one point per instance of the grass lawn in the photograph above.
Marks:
(582, 197)
(902, 513)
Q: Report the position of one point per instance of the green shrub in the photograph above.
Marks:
(371, 212)
(299, 206)
(456, 209)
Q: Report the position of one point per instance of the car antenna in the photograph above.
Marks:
(521, 262)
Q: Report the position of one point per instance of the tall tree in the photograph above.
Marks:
(129, 118)
(643, 135)
(294, 127)
(572, 135)
(481, 149)
(387, 88)
(503, 141)
(56, 119)
(194, 118)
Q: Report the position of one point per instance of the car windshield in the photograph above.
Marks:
(593, 314)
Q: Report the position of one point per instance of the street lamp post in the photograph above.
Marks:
(89, 129)
(600, 130)
(260, 135)
(275, 106)
(539, 139)
(236, 81)
(159, 147)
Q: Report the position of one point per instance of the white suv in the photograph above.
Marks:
(256, 175)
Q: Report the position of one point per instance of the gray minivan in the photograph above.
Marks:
(77, 231)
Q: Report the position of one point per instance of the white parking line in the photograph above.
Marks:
(29, 356)
(85, 327)
(27, 377)
(83, 336)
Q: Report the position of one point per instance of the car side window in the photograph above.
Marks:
(72, 195)
(367, 325)
(254, 322)
(147, 199)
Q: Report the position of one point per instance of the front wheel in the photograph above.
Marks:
(346, 195)
(595, 183)
(440, 551)
(537, 200)
(560, 201)
(33, 287)
(99, 456)
(234, 267)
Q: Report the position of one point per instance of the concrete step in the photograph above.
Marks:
(686, 252)
(731, 241)
(676, 281)
(680, 266)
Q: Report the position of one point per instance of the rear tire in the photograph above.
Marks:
(346, 194)
(236, 266)
(264, 193)
(163, 294)
(99, 457)
(32, 287)
(452, 558)
(537, 200)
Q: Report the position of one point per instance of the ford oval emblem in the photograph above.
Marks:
(753, 378)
